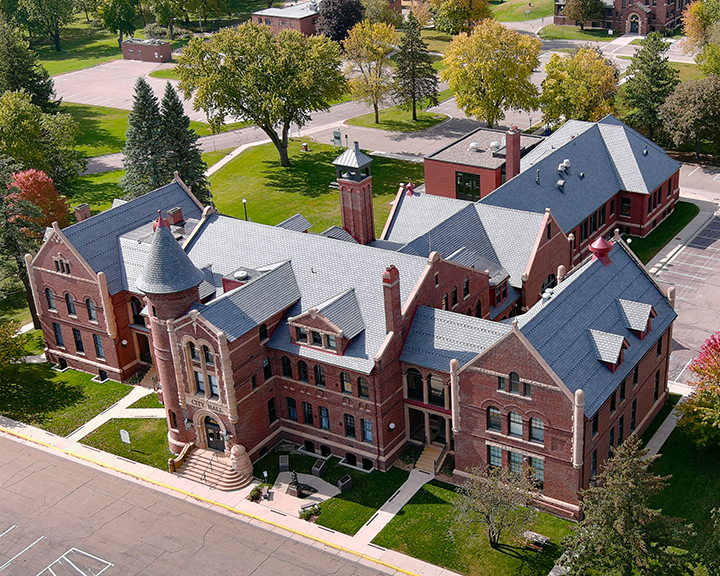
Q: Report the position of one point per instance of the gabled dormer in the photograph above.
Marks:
(330, 325)
(609, 348)
(636, 316)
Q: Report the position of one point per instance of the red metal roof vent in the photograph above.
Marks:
(600, 249)
(160, 222)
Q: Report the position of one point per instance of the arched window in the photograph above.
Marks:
(414, 385)
(514, 383)
(537, 430)
(193, 352)
(436, 391)
(263, 332)
(136, 308)
(466, 287)
(70, 303)
(493, 419)
(303, 371)
(468, 312)
(363, 388)
(453, 293)
(50, 297)
(286, 367)
(267, 368)
(345, 383)
(550, 282)
(445, 301)
(209, 358)
(319, 375)
(478, 309)
(92, 313)
(516, 424)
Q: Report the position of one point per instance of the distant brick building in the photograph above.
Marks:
(357, 347)
(300, 17)
(628, 17)
(146, 50)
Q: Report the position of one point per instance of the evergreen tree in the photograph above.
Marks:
(620, 534)
(415, 77)
(144, 153)
(181, 146)
(650, 81)
(19, 68)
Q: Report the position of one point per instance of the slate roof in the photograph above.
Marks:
(97, 237)
(635, 314)
(167, 269)
(605, 157)
(240, 310)
(323, 268)
(438, 336)
(588, 300)
(298, 223)
(338, 234)
(343, 310)
(607, 346)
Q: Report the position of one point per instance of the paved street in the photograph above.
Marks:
(57, 515)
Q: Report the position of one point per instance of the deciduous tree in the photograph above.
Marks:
(118, 16)
(144, 152)
(415, 77)
(691, 113)
(455, 16)
(620, 533)
(38, 140)
(701, 24)
(368, 47)
(19, 68)
(490, 71)
(273, 82)
(380, 11)
(650, 81)
(337, 17)
(579, 86)
(700, 413)
(50, 16)
(181, 145)
(497, 500)
(36, 187)
(583, 10)
(709, 551)
(12, 344)
(166, 12)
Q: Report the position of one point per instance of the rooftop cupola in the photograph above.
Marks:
(354, 180)
(601, 249)
(352, 164)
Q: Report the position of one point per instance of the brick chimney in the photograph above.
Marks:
(600, 249)
(355, 185)
(512, 153)
(82, 212)
(391, 295)
(175, 216)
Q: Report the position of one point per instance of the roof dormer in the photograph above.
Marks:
(609, 348)
(636, 316)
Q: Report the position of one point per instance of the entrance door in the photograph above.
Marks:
(634, 24)
(437, 430)
(144, 348)
(417, 425)
(214, 435)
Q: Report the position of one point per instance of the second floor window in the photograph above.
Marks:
(70, 304)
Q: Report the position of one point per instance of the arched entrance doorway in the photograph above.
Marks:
(215, 439)
(634, 24)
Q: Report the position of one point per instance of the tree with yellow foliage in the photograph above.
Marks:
(454, 16)
(489, 70)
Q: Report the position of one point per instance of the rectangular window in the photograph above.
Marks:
(622, 392)
(657, 386)
(633, 414)
(79, 346)
(549, 231)
(214, 388)
(366, 430)
(494, 457)
(612, 403)
(658, 348)
(595, 424)
(501, 382)
(636, 374)
(301, 335)
(99, 352)
(307, 413)
(316, 338)
(621, 429)
(331, 342)
(467, 186)
(350, 425)
(494, 420)
(516, 425)
(593, 223)
(254, 381)
(272, 413)
(601, 216)
(584, 231)
(345, 383)
(612, 207)
(199, 382)
(593, 467)
(612, 442)
(538, 465)
(363, 388)
(267, 368)
(650, 201)
(291, 408)
(625, 207)
(58, 335)
(324, 418)
(515, 462)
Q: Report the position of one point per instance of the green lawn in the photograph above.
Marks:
(98, 190)
(274, 193)
(515, 10)
(149, 401)
(34, 343)
(214, 156)
(688, 70)
(425, 528)
(554, 32)
(694, 489)
(397, 119)
(59, 402)
(660, 418)
(14, 306)
(346, 512)
(437, 41)
(166, 74)
(148, 440)
(646, 248)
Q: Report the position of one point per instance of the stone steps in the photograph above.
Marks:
(426, 462)
(212, 469)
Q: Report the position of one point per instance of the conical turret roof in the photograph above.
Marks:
(168, 268)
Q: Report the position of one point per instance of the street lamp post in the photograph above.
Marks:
(245, 208)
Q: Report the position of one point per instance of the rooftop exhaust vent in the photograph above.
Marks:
(566, 163)
(474, 146)
(645, 151)
(561, 184)
(561, 167)
(495, 145)
(240, 275)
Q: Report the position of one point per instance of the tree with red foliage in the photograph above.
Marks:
(700, 414)
(36, 187)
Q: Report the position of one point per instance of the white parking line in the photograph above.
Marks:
(8, 530)
(693, 172)
(20, 553)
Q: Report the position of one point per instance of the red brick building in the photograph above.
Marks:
(300, 17)
(146, 50)
(356, 347)
(627, 17)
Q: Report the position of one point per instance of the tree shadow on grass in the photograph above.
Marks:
(78, 43)
(310, 174)
(30, 393)
(96, 192)
(537, 562)
(91, 133)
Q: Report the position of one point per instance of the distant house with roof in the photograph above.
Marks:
(300, 17)
(357, 347)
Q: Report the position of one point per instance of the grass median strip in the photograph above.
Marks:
(397, 119)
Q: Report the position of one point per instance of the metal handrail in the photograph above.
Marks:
(209, 466)
(417, 455)
(439, 460)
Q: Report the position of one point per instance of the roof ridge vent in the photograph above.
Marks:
(561, 184)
